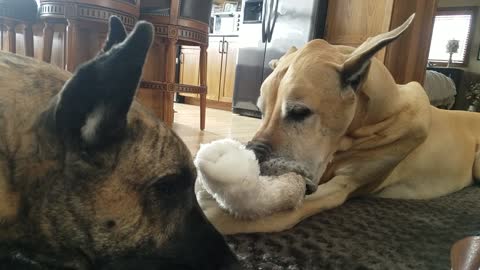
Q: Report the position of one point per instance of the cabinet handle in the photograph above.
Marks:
(225, 51)
(220, 47)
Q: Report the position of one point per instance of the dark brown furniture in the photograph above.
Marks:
(177, 22)
(86, 25)
(15, 14)
(462, 79)
(465, 254)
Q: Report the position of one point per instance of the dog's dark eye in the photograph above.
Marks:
(298, 113)
(168, 185)
(173, 183)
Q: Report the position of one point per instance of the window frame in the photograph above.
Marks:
(473, 10)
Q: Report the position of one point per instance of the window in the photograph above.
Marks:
(450, 24)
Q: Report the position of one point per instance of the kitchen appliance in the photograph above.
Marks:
(226, 23)
(269, 28)
(252, 11)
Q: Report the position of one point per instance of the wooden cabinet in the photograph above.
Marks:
(190, 67)
(230, 53)
(214, 67)
(351, 22)
(222, 60)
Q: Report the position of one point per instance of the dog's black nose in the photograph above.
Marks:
(262, 150)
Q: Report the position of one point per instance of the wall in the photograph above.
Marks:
(473, 63)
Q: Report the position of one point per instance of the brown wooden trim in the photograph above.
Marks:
(174, 87)
(124, 5)
(225, 106)
(183, 35)
(91, 12)
(155, 19)
(190, 23)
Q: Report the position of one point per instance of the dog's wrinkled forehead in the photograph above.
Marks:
(314, 53)
(317, 63)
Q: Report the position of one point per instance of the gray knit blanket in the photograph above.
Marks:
(368, 233)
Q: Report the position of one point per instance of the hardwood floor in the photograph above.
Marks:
(219, 124)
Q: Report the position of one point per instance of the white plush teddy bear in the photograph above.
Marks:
(246, 189)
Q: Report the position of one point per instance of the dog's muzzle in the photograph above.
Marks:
(263, 152)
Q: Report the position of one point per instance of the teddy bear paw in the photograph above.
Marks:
(227, 161)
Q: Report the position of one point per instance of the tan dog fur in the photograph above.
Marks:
(378, 139)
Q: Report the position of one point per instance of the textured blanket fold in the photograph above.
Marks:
(369, 233)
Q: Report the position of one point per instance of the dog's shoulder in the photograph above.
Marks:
(27, 85)
(29, 76)
(416, 109)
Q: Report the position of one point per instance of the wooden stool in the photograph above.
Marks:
(178, 22)
(12, 14)
(86, 24)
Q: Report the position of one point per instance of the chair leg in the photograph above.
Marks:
(203, 110)
(28, 39)
(72, 43)
(1, 36)
(170, 78)
(47, 42)
(12, 37)
(203, 82)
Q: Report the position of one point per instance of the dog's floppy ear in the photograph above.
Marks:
(93, 105)
(356, 66)
(116, 33)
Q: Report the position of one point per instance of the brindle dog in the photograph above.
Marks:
(89, 179)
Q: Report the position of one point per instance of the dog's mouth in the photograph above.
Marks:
(262, 150)
(276, 164)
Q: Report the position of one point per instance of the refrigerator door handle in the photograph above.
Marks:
(225, 50)
(220, 46)
(182, 57)
(274, 21)
(264, 21)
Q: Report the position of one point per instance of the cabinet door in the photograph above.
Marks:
(190, 67)
(214, 67)
(230, 64)
(364, 19)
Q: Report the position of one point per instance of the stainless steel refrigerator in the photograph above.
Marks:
(269, 28)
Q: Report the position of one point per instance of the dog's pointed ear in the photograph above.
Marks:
(356, 66)
(92, 107)
(116, 33)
